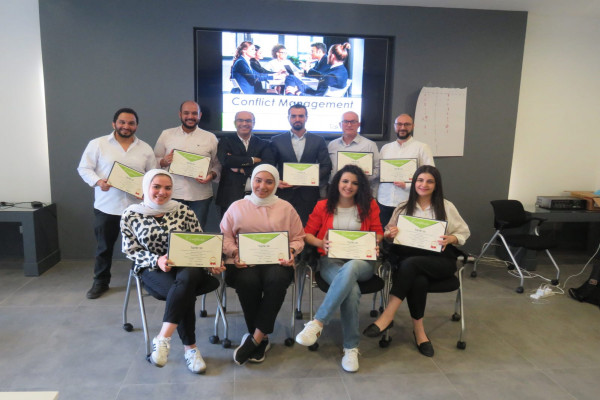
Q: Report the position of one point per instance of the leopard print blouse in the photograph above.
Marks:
(146, 238)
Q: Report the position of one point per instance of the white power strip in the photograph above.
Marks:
(544, 291)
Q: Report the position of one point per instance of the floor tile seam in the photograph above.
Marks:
(458, 392)
(564, 389)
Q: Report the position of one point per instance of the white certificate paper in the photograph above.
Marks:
(263, 248)
(195, 249)
(298, 174)
(357, 245)
(126, 179)
(421, 233)
(189, 164)
(397, 170)
(363, 160)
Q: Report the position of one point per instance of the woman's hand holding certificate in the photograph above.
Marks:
(195, 249)
(263, 248)
(422, 233)
(357, 245)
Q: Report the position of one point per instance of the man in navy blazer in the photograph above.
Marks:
(239, 155)
(298, 145)
(318, 51)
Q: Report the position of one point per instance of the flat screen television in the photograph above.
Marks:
(366, 90)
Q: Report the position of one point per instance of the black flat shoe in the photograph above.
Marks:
(425, 348)
(374, 331)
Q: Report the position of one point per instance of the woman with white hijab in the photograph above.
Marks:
(145, 229)
(260, 288)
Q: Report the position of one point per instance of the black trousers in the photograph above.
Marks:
(411, 279)
(106, 229)
(179, 287)
(261, 290)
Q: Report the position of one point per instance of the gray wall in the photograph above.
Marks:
(102, 55)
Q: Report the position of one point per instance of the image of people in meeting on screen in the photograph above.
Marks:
(256, 67)
(280, 60)
(317, 65)
(335, 77)
(243, 76)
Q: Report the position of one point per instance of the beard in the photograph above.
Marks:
(189, 123)
(298, 126)
(403, 134)
(124, 133)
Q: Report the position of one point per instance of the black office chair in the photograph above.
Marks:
(510, 214)
(211, 285)
(454, 283)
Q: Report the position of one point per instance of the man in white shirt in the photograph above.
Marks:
(390, 194)
(353, 142)
(197, 192)
(109, 203)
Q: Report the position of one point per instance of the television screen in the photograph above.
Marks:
(265, 73)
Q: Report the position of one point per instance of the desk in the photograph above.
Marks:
(40, 236)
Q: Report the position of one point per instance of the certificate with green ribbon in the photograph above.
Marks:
(263, 247)
(195, 249)
(189, 164)
(299, 174)
(357, 245)
(126, 179)
(421, 233)
(397, 170)
(364, 160)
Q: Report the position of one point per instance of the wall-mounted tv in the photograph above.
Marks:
(287, 70)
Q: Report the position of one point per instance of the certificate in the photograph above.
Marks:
(362, 160)
(397, 170)
(189, 164)
(195, 249)
(357, 245)
(421, 233)
(297, 174)
(263, 248)
(126, 179)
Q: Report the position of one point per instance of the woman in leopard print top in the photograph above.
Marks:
(145, 229)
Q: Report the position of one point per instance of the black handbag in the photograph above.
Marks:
(590, 290)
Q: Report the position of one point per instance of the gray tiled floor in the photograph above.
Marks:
(52, 338)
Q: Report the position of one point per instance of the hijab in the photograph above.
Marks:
(147, 206)
(271, 199)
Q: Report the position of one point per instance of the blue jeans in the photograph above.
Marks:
(343, 277)
(200, 208)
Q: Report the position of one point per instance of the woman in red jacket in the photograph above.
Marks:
(349, 206)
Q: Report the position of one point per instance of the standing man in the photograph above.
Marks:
(197, 192)
(298, 145)
(239, 155)
(109, 203)
(353, 142)
(392, 194)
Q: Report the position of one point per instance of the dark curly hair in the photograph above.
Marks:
(363, 196)
(437, 197)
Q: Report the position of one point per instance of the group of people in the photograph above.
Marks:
(327, 69)
(252, 196)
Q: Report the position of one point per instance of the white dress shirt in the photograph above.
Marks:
(199, 142)
(97, 161)
(389, 194)
(358, 144)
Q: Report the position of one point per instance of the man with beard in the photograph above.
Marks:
(391, 194)
(301, 146)
(109, 203)
(196, 192)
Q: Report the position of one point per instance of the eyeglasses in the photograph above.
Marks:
(345, 122)
(403, 124)
(244, 121)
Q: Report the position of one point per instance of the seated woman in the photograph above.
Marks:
(349, 206)
(260, 288)
(145, 229)
(336, 76)
(417, 267)
(243, 73)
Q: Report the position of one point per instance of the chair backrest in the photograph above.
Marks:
(509, 214)
(236, 85)
(338, 92)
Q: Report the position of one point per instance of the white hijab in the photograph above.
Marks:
(271, 199)
(148, 207)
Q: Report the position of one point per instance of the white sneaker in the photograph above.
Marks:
(194, 361)
(350, 360)
(309, 335)
(160, 351)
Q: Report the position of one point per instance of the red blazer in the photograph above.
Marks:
(319, 221)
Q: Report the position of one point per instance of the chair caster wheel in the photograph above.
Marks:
(298, 314)
(383, 343)
(461, 345)
(473, 274)
(128, 327)
(456, 317)
(214, 339)
(203, 314)
(313, 347)
(519, 289)
(554, 282)
(374, 313)
(226, 343)
(289, 342)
